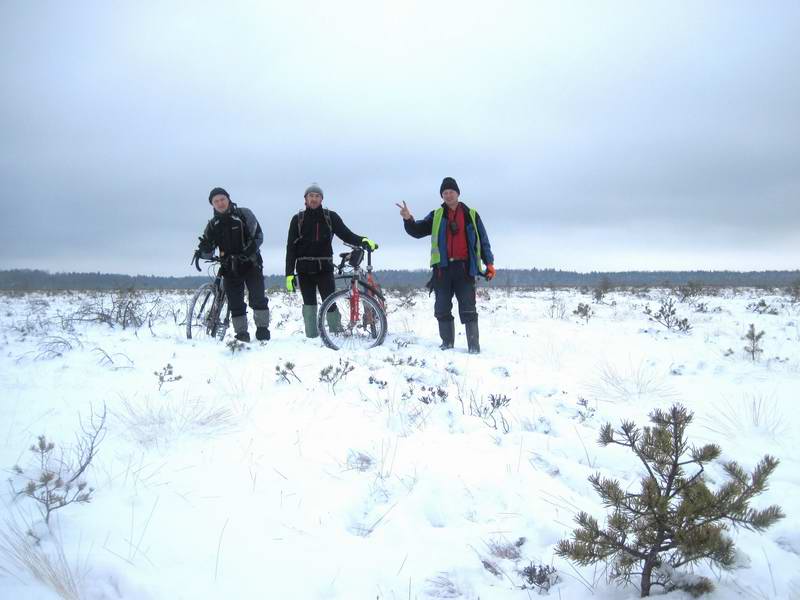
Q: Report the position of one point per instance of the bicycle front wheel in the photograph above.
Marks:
(208, 314)
(353, 324)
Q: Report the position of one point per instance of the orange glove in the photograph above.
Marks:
(490, 272)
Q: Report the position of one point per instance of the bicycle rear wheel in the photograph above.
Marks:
(363, 326)
(208, 315)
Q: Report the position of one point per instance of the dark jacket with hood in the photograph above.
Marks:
(311, 250)
(234, 232)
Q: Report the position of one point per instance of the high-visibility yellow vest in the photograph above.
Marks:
(436, 255)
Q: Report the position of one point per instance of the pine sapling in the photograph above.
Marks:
(753, 347)
(584, 311)
(55, 482)
(166, 375)
(668, 317)
(285, 372)
(333, 375)
(674, 520)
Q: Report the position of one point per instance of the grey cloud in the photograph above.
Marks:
(558, 123)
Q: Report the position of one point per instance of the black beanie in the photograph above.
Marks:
(448, 183)
(216, 191)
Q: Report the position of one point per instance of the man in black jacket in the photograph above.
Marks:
(237, 233)
(459, 248)
(309, 250)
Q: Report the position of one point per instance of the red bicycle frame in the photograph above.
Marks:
(355, 301)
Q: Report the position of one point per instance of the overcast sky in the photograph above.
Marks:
(589, 135)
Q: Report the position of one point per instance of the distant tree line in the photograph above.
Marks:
(30, 279)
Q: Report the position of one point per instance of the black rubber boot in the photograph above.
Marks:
(261, 317)
(240, 328)
(473, 339)
(447, 331)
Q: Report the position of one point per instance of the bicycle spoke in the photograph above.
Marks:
(363, 324)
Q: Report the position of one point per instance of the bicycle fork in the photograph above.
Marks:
(355, 302)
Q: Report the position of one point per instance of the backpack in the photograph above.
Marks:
(302, 215)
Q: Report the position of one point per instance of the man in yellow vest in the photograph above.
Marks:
(459, 248)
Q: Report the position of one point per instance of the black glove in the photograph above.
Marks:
(196, 259)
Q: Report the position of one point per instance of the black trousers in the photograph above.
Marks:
(234, 284)
(454, 280)
(310, 283)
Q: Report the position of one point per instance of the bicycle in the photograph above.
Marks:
(209, 314)
(363, 324)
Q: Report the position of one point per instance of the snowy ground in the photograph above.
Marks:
(232, 482)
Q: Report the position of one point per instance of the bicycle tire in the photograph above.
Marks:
(222, 324)
(200, 322)
(354, 336)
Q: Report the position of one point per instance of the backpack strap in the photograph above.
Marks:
(301, 215)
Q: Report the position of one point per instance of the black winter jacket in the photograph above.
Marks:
(236, 231)
(315, 242)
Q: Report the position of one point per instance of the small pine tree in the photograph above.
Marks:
(674, 519)
(753, 347)
(601, 290)
(584, 311)
(668, 317)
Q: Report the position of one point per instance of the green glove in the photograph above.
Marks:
(290, 283)
(368, 243)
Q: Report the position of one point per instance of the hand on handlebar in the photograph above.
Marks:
(367, 243)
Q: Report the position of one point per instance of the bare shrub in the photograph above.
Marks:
(557, 309)
(34, 323)
(56, 479)
(490, 410)
(129, 308)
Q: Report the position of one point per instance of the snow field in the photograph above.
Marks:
(231, 482)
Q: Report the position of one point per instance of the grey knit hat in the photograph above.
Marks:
(313, 188)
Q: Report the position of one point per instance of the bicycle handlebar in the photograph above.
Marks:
(196, 260)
